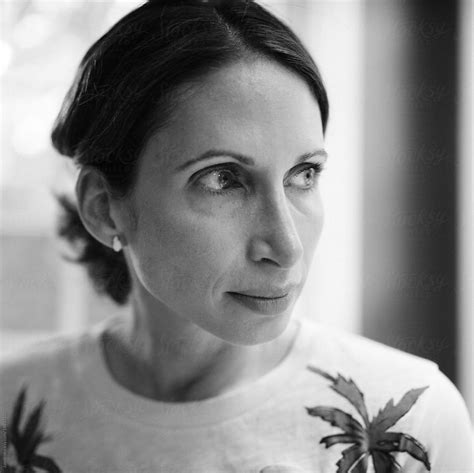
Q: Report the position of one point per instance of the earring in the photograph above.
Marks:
(116, 244)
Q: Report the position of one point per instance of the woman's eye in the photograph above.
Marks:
(218, 181)
(307, 178)
(224, 180)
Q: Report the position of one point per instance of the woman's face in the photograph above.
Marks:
(211, 227)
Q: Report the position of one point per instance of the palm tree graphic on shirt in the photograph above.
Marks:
(18, 453)
(372, 439)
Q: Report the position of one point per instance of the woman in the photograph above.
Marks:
(198, 128)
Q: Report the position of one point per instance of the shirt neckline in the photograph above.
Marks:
(118, 401)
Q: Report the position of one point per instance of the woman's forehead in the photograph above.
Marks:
(272, 110)
(244, 90)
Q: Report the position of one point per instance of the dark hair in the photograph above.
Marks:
(128, 84)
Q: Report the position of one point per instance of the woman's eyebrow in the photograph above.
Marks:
(245, 159)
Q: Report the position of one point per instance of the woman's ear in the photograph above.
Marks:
(94, 205)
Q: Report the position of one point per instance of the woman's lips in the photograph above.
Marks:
(263, 305)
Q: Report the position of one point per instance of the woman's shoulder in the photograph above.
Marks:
(395, 389)
(41, 354)
(52, 353)
(380, 370)
(37, 381)
(340, 345)
(41, 367)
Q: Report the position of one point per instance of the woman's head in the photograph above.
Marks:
(166, 84)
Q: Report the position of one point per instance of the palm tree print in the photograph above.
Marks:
(370, 440)
(19, 447)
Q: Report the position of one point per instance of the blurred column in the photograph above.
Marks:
(411, 158)
(465, 208)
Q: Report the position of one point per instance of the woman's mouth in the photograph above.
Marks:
(263, 305)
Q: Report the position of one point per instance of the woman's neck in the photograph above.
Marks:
(182, 362)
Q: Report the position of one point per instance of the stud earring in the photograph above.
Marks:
(116, 244)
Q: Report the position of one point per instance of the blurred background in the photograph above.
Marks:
(394, 262)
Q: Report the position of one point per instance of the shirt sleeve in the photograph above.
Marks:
(449, 428)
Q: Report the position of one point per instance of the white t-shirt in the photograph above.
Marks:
(333, 401)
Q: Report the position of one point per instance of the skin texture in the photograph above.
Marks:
(186, 248)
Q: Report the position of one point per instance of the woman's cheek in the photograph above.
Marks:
(175, 250)
(224, 206)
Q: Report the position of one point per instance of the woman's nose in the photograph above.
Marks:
(274, 233)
